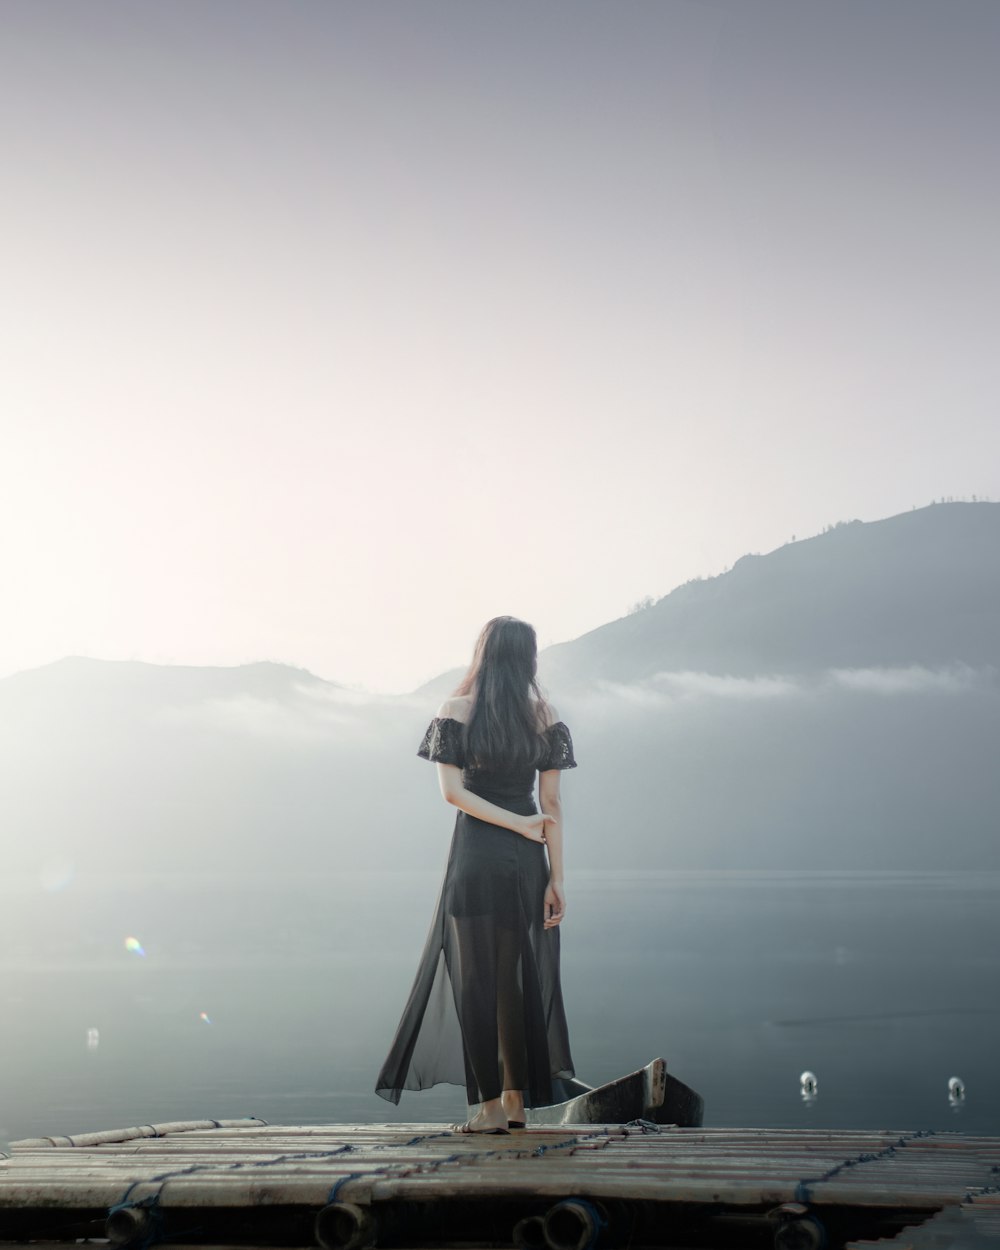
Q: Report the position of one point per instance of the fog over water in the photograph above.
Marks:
(228, 874)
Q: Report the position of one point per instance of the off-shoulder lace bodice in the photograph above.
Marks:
(442, 743)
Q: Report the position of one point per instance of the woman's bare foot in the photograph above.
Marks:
(513, 1104)
(490, 1116)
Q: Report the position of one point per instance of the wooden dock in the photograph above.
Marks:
(566, 1187)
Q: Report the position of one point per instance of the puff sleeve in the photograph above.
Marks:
(442, 742)
(560, 748)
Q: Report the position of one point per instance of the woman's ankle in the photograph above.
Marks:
(513, 1100)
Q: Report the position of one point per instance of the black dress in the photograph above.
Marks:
(486, 1008)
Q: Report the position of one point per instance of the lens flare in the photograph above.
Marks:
(134, 946)
(203, 1015)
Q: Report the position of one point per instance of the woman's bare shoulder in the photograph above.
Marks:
(457, 708)
(547, 715)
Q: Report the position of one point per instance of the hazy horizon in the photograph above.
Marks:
(708, 674)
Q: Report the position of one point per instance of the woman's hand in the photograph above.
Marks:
(555, 904)
(533, 827)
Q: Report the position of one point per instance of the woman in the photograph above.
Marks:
(486, 1008)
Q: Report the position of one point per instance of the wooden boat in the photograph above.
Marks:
(650, 1093)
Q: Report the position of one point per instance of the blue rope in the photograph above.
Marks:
(332, 1195)
(570, 1141)
(982, 1189)
(387, 1169)
(453, 1158)
(391, 1145)
(151, 1201)
(802, 1187)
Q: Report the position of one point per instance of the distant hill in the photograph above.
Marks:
(834, 703)
(123, 764)
(76, 681)
(921, 588)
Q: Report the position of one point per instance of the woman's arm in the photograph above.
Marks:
(450, 779)
(550, 803)
(548, 796)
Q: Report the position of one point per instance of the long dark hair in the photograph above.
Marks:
(503, 727)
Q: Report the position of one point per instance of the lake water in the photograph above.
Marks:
(278, 997)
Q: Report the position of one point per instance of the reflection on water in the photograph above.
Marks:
(126, 1001)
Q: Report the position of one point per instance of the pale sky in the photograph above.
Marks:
(330, 330)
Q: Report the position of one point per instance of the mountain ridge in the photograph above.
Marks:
(872, 747)
(766, 605)
(879, 569)
(858, 595)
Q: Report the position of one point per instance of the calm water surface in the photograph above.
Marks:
(278, 997)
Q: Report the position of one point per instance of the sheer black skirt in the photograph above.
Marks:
(486, 1008)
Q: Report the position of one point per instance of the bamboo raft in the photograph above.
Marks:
(560, 1187)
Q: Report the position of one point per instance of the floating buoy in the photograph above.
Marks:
(956, 1090)
(93, 1039)
(809, 1086)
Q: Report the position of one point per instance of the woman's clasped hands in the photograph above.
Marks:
(534, 827)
